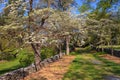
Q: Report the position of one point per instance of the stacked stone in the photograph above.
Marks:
(21, 73)
(108, 51)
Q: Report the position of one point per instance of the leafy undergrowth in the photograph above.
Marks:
(23, 59)
(79, 51)
(91, 67)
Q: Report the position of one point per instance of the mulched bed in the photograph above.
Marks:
(111, 58)
(54, 71)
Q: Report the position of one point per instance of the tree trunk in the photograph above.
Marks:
(60, 49)
(67, 45)
(34, 46)
(37, 58)
(112, 49)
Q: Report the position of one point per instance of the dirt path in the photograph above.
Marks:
(111, 58)
(54, 71)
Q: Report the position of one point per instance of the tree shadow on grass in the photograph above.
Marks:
(115, 68)
(73, 76)
(82, 69)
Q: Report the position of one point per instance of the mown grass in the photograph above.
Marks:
(9, 66)
(13, 64)
(115, 68)
(91, 67)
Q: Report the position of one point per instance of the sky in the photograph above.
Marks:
(79, 2)
(2, 5)
(74, 10)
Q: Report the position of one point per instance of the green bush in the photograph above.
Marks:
(82, 50)
(74, 53)
(26, 59)
(47, 52)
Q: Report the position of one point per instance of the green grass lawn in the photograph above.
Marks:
(9, 66)
(14, 64)
(91, 67)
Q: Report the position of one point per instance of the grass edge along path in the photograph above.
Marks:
(91, 67)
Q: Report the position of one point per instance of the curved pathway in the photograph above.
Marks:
(54, 71)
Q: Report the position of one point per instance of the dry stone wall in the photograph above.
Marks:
(23, 72)
(108, 51)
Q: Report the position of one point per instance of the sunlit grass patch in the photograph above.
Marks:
(9, 66)
(84, 67)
